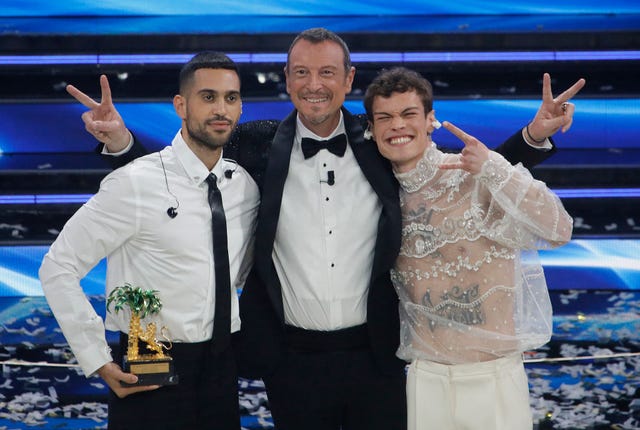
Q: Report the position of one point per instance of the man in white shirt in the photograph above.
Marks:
(319, 313)
(150, 219)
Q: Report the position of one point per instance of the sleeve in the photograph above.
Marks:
(516, 150)
(103, 224)
(136, 150)
(250, 144)
(522, 211)
(248, 253)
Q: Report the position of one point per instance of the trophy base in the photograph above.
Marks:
(150, 371)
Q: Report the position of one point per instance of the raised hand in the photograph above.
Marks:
(113, 374)
(103, 120)
(472, 156)
(554, 113)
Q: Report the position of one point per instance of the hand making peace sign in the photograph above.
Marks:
(103, 120)
(554, 113)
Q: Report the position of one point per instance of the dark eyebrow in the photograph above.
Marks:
(207, 91)
(211, 91)
(411, 109)
(407, 110)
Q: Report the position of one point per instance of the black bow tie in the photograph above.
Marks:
(336, 145)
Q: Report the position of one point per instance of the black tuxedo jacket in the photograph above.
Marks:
(263, 148)
(261, 311)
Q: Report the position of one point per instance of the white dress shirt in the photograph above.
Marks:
(127, 222)
(324, 245)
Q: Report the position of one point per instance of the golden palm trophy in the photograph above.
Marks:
(156, 366)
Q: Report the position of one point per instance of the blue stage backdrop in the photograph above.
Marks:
(14, 8)
(598, 264)
(257, 16)
(261, 24)
(60, 129)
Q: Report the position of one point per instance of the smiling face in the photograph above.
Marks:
(318, 83)
(400, 128)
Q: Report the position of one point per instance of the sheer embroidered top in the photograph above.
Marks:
(470, 283)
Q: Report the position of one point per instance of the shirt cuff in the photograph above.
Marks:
(93, 358)
(544, 146)
(105, 151)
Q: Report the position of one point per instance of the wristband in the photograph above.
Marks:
(532, 139)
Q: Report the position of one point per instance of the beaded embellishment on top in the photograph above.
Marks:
(424, 171)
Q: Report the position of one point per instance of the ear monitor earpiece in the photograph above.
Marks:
(436, 124)
(367, 134)
(172, 212)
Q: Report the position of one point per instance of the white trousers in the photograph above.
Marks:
(491, 395)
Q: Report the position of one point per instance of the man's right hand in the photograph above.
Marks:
(113, 374)
(103, 120)
(554, 113)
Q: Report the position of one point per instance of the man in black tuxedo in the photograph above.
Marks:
(319, 314)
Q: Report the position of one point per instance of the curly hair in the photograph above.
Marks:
(398, 80)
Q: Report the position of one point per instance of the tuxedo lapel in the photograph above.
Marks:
(271, 200)
(378, 172)
(375, 169)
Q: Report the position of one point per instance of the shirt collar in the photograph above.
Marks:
(193, 167)
(425, 170)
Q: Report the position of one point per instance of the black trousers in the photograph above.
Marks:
(205, 398)
(329, 381)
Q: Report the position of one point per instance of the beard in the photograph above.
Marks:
(316, 119)
(201, 136)
(314, 114)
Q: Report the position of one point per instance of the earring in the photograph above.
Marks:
(367, 134)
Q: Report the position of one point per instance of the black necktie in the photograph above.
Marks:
(222, 316)
(336, 145)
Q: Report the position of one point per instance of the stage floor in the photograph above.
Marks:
(598, 390)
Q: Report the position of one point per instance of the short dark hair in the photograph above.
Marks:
(319, 35)
(398, 80)
(205, 60)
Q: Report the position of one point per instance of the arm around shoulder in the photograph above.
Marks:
(135, 149)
